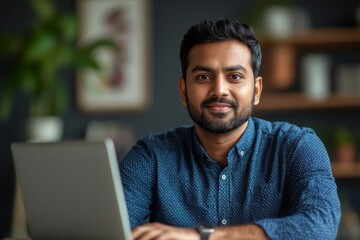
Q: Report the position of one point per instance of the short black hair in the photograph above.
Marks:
(220, 30)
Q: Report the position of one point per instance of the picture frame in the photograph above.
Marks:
(123, 83)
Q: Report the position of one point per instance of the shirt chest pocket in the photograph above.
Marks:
(265, 201)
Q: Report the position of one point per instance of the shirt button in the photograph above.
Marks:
(223, 177)
(224, 222)
(242, 153)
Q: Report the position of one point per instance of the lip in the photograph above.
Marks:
(219, 107)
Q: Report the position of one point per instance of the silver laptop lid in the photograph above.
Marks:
(72, 190)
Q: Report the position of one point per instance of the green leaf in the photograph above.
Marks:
(40, 44)
(59, 103)
(44, 9)
(39, 55)
(86, 61)
(23, 77)
(67, 26)
(53, 101)
(6, 104)
(85, 58)
(64, 57)
(344, 136)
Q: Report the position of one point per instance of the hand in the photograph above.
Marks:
(240, 232)
(158, 231)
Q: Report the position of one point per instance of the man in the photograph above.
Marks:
(230, 176)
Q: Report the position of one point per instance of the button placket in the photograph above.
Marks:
(224, 198)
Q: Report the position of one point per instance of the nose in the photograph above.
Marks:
(220, 87)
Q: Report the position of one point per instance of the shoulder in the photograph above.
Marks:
(281, 129)
(299, 146)
(156, 144)
(290, 139)
(170, 137)
(286, 136)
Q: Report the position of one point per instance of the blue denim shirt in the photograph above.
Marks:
(278, 177)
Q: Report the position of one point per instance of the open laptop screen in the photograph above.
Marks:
(72, 190)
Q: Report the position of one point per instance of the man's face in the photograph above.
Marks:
(219, 91)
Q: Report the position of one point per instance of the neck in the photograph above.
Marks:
(218, 145)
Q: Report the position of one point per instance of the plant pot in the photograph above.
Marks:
(45, 129)
(346, 153)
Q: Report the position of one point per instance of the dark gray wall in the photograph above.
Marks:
(169, 21)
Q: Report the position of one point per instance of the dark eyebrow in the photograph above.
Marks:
(209, 69)
(201, 68)
(234, 68)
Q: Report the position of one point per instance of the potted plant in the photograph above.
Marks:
(38, 56)
(345, 146)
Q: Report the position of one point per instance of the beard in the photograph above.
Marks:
(218, 123)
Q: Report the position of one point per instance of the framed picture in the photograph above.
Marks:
(123, 83)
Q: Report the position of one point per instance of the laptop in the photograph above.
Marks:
(72, 190)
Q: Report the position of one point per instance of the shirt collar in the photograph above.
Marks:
(241, 148)
(199, 150)
(244, 145)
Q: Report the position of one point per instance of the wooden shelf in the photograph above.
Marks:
(280, 70)
(318, 38)
(341, 170)
(299, 101)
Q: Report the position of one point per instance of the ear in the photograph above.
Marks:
(258, 89)
(182, 90)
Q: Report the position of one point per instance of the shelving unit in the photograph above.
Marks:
(298, 101)
(280, 56)
(280, 73)
(318, 38)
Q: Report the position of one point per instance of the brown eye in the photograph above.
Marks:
(203, 77)
(236, 77)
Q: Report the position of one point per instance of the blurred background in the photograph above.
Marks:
(311, 71)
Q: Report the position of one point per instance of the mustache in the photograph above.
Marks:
(232, 103)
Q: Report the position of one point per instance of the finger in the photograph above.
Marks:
(144, 230)
(152, 234)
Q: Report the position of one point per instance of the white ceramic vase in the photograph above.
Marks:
(45, 129)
